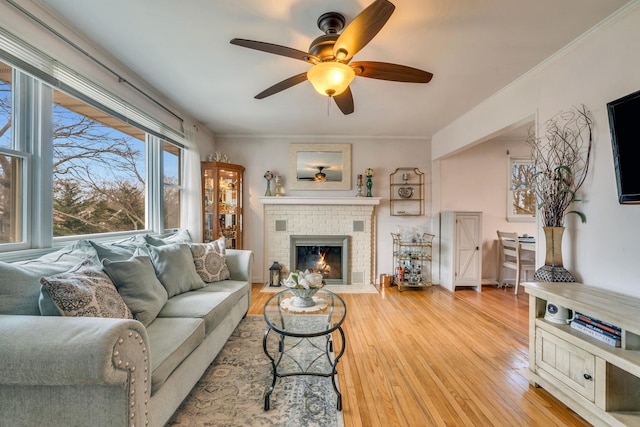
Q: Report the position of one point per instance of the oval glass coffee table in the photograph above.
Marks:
(307, 340)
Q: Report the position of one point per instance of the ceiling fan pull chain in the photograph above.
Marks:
(328, 106)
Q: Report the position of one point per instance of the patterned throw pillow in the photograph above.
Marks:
(210, 263)
(86, 291)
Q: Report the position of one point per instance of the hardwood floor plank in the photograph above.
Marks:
(418, 358)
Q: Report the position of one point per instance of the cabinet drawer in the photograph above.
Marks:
(570, 365)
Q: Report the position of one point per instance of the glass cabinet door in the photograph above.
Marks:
(222, 202)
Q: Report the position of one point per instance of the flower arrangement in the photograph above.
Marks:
(368, 172)
(561, 157)
(304, 280)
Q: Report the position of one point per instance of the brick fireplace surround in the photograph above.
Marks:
(346, 216)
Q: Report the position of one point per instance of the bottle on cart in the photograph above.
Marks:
(399, 274)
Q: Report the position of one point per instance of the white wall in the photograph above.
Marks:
(259, 154)
(476, 179)
(598, 68)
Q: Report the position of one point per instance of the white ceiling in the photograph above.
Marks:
(473, 47)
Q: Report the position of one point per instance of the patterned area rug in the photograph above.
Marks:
(336, 289)
(231, 391)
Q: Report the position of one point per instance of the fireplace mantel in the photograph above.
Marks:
(307, 200)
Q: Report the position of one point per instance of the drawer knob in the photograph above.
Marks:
(587, 376)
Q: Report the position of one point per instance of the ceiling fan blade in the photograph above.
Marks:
(285, 84)
(344, 101)
(276, 49)
(393, 72)
(362, 29)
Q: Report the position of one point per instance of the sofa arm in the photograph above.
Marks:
(240, 263)
(48, 352)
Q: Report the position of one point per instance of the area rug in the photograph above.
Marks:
(231, 391)
(336, 289)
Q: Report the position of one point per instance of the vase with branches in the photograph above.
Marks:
(561, 153)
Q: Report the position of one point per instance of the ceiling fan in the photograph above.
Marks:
(331, 55)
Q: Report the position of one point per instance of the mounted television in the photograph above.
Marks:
(624, 123)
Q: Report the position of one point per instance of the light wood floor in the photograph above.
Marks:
(417, 358)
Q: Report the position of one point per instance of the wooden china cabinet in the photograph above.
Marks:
(222, 202)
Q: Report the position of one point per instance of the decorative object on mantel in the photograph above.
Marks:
(561, 160)
(359, 194)
(304, 285)
(369, 173)
(274, 274)
(268, 176)
(279, 189)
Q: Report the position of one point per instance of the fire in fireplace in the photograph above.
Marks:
(327, 255)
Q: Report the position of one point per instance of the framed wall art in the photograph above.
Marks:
(320, 166)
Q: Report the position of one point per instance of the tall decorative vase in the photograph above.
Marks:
(553, 270)
(369, 186)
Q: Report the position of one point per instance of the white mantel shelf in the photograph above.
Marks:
(290, 200)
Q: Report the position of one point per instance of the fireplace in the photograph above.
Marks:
(327, 255)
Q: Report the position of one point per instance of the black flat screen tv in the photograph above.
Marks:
(624, 123)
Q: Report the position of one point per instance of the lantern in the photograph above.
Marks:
(274, 274)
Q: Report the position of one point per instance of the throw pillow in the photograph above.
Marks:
(138, 285)
(210, 263)
(181, 236)
(86, 291)
(221, 243)
(174, 267)
(113, 252)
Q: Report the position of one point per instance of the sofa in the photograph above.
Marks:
(115, 334)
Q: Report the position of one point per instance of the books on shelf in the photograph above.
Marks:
(599, 323)
(594, 331)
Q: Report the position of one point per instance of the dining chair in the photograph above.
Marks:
(511, 257)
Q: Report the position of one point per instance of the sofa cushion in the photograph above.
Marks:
(181, 236)
(209, 303)
(86, 291)
(210, 262)
(174, 267)
(171, 341)
(20, 281)
(138, 285)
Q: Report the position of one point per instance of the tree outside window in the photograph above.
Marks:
(99, 163)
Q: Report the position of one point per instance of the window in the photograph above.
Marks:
(69, 169)
(521, 199)
(98, 171)
(5, 105)
(171, 164)
(11, 166)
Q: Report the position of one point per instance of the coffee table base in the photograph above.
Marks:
(275, 360)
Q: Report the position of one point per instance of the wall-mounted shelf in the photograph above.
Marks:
(406, 197)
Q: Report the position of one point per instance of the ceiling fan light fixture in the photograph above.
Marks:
(330, 78)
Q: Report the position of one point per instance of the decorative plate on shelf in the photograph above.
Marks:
(405, 192)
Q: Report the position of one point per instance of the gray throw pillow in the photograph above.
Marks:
(86, 291)
(210, 263)
(175, 268)
(138, 285)
(112, 252)
(181, 236)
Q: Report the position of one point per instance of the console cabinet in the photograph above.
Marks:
(598, 381)
(222, 202)
(461, 249)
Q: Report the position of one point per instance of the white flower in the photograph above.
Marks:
(368, 172)
(304, 280)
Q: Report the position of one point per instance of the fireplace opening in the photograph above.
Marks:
(327, 255)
